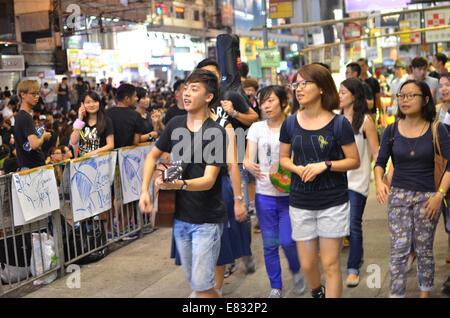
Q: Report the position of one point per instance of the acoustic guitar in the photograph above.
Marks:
(165, 199)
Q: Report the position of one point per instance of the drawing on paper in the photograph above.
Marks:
(90, 181)
(35, 188)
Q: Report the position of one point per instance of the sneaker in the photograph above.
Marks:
(299, 283)
(249, 262)
(130, 237)
(275, 293)
(318, 293)
(352, 280)
(230, 270)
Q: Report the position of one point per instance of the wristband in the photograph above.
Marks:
(79, 124)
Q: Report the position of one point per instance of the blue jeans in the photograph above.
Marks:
(276, 230)
(356, 252)
(198, 246)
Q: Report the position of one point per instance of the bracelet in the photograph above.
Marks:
(239, 197)
(79, 124)
(443, 192)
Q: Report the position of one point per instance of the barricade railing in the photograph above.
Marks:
(74, 240)
(24, 250)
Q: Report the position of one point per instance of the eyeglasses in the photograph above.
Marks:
(407, 96)
(301, 84)
(33, 93)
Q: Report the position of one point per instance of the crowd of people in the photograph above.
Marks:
(306, 167)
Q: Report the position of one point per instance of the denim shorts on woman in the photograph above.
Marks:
(333, 222)
(198, 246)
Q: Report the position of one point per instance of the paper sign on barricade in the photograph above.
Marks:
(34, 194)
(131, 167)
(90, 185)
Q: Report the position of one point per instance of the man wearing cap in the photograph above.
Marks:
(400, 77)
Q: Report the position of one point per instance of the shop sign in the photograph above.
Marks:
(352, 30)
(14, 63)
(279, 9)
(45, 44)
(269, 57)
(437, 18)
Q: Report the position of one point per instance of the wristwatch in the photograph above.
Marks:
(239, 197)
(184, 186)
(328, 164)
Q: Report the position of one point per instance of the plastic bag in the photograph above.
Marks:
(44, 259)
(13, 274)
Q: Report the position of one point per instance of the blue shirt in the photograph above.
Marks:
(328, 189)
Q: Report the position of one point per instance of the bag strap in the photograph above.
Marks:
(391, 134)
(436, 141)
(337, 126)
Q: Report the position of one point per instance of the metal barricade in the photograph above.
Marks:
(21, 247)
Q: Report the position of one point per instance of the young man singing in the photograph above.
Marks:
(200, 211)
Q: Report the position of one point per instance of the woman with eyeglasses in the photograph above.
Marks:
(413, 202)
(322, 147)
(353, 104)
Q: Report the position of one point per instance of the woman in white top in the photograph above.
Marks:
(272, 206)
(354, 107)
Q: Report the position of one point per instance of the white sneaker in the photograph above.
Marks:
(275, 293)
(299, 283)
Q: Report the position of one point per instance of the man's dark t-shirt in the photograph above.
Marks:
(197, 207)
(239, 104)
(126, 123)
(329, 188)
(172, 112)
(24, 127)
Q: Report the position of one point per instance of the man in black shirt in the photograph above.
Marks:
(178, 108)
(126, 122)
(199, 211)
(28, 141)
(353, 70)
(374, 85)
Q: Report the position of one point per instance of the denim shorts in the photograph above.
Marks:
(333, 222)
(198, 246)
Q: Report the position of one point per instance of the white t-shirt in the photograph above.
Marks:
(268, 142)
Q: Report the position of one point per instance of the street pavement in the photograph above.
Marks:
(143, 268)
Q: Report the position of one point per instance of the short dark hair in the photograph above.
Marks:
(243, 69)
(428, 108)
(363, 60)
(64, 78)
(419, 62)
(141, 93)
(278, 90)
(441, 57)
(177, 84)
(355, 67)
(208, 62)
(323, 79)
(125, 90)
(208, 79)
(79, 79)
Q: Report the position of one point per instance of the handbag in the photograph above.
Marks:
(281, 179)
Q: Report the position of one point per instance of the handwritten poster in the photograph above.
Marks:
(34, 194)
(131, 167)
(90, 185)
